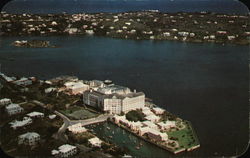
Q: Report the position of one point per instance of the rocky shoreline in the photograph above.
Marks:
(142, 25)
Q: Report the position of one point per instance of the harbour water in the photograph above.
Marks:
(78, 6)
(206, 84)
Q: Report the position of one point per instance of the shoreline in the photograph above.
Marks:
(159, 145)
(196, 27)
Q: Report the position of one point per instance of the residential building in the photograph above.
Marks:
(77, 128)
(65, 150)
(96, 142)
(158, 111)
(35, 114)
(5, 101)
(153, 134)
(13, 109)
(76, 87)
(17, 124)
(150, 124)
(30, 138)
(23, 82)
(152, 118)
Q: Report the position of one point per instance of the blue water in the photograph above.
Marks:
(206, 84)
(76, 6)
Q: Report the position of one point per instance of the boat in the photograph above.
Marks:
(137, 147)
(108, 127)
(110, 136)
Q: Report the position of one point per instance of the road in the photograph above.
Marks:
(67, 122)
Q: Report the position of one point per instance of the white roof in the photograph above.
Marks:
(25, 121)
(54, 152)
(5, 100)
(34, 114)
(95, 140)
(157, 109)
(147, 111)
(29, 135)
(152, 117)
(167, 123)
(136, 124)
(153, 131)
(52, 116)
(77, 128)
(66, 148)
(75, 85)
(149, 124)
(12, 106)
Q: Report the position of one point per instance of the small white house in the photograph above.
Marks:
(30, 138)
(23, 82)
(77, 128)
(5, 101)
(35, 114)
(13, 109)
(65, 150)
(17, 124)
(158, 111)
(95, 142)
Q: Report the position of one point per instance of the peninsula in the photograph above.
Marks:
(51, 118)
(140, 25)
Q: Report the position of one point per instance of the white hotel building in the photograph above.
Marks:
(114, 99)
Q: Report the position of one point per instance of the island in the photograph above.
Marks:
(140, 25)
(32, 44)
(52, 118)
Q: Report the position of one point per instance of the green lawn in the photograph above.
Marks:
(185, 137)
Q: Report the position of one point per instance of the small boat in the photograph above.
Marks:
(137, 147)
(113, 132)
(108, 127)
(110, 136)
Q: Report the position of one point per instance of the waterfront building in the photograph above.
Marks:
(150, 124)
(147, 111)
(76, 87)
(114, 99)
(96, 142)
(13, 109)
(77, 128)
(158, 111)
(30, 138)
(166, 125)
(23, 82)
(6, 78)
(5, 101)
(17, 124)
(152, 118)
(153, 134)
(64, 151)
(136, 125)
(35, 114)
(95, 84)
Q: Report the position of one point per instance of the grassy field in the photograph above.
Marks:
(77, 112)
(185, 137)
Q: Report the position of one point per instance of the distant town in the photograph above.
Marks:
(141, 25)
(52, 118)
